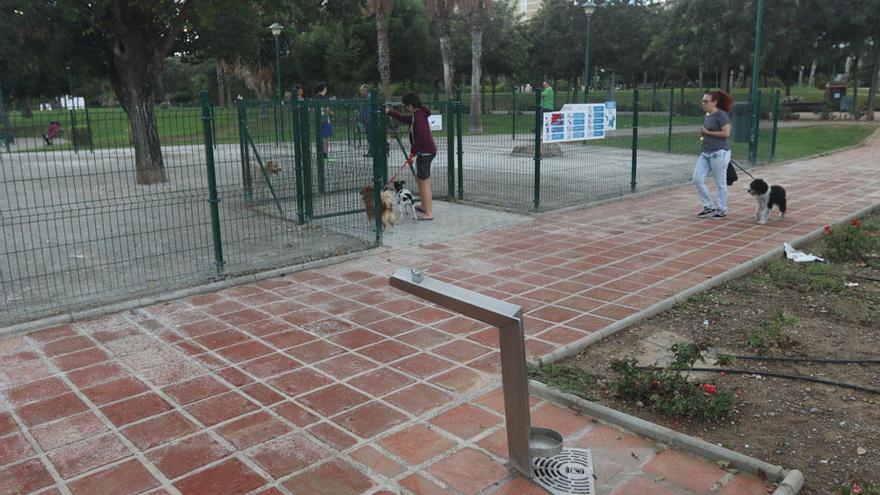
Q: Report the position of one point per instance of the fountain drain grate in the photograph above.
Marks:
(568, 473)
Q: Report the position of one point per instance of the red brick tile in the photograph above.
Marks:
(17, 358)
(36, 391)
(291, 338)
(424, 338)
(88, 454)
(244, 316)
(686, 470)
(641, 485)
(109, 335)
(461, 351)
(250, 430)
(234, 376)
(336, 477)
(562, 420)
(299, 382)
(204, 327)
(466, 421)
(262, 394)
(48, 410)
(244, 351)
(331, 400)
(367, 315)
(416, 444)
(622, 448)
(127, 478)
(614, 311)
(223, 307)
(14, 448)
(287, 454)
(328, 326)
(282, 307)
(369, 420)
(136, 408)
(221, 339)
(194, 390)
(115, 390)
(346, 365)
(387, 351)
(80, 359)
(580, 303)
(378, 461)
(553, 314)
(54, 333)
(420, 485)
(220, 408)
(419, 399)
(265, 328)
(461, 380)
(271, 365)
(26, 373)
(68, 430)
(391, 326)
(536, 348)
(295, 414)
(305, 316)
(357, 338)
(315, 351)
(7, 424)
(423, 365)
(468, 471)
(332, 435)
(24, 477)
(745, 485)
(562, 335)
(495, 400)
(230, 477)
(381, 381)
(520, 486)
(187, 455)
(67, 345)
(496, 443)
(159, 430)
(460, 325)
(589, 323)
(428, 315)
(86, 377)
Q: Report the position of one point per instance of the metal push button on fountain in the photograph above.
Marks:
(524, 442)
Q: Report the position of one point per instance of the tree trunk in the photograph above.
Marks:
(492, 80)
(384, 49)
(700, 78)
(448, 65)
(811, 82)
(872, 92)
(724, 81)
(476, 118)
(855, 95)
(221, 83)
(24, 106)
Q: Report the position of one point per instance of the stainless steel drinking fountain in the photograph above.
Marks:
(523, 441)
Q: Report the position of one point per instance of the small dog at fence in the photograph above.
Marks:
(387, 205)
(405, 202)
(273, 169)
(767, 196)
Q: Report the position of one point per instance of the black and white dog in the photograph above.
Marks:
(767, 196)
(404, 200)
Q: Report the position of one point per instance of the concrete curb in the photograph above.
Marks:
(182, 293)
(790, 481)
(669, 302)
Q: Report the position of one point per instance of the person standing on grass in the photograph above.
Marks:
(423, 148)
(365, 119)
(547, 97)
(326, 125)
(715, 154)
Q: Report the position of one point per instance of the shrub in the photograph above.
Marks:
(859, 488)
(814, 277)
(769, 330)
(572, 380)
(852, 242)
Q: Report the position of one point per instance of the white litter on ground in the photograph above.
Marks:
(799, 256)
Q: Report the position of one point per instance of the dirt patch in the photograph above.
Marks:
(831, 434)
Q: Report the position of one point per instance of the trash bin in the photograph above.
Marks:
(741, 122)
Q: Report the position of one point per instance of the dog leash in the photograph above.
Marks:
(741, 168)
(394, 126)
(408, 161)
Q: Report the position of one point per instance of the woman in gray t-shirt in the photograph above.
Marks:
(715, 154)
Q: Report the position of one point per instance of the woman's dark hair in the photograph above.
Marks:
(322, 87)
(722, 100)
(299, 87)
(412, 99)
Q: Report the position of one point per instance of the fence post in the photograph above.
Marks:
(319, 143)
(380, 165)
(539, 127)
(306, 147)
(246, 180)
(89, 131)
(6, 133)
(755, 124)
(513, 132)
(450, 149)
(212, 184)
(671, 104)
(775, 125)
(296, 129)
(635, 140)
(460, 147)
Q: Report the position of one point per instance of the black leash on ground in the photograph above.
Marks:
(741, 168)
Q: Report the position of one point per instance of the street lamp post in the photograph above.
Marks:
(589, 8)
(276, 32)
(756, 74)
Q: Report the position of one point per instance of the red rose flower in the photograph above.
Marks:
(855, 222)
(709, 388)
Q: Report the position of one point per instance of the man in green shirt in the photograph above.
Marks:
(547, 98)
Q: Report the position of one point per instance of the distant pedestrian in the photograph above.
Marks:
(326, 123)
(300, 93)
(423, 148)
(52, 132)
(365, 118)
(547, 97)
(715, 154)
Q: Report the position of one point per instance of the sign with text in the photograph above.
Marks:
(575, 123)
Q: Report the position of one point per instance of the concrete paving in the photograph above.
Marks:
(330, 382)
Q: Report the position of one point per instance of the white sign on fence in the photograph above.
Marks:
(581, 121)
(436, 122)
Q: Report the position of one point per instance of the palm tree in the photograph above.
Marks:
(382, 9)
(441, 11)
(476, 10)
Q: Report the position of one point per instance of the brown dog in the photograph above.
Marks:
(387, 199)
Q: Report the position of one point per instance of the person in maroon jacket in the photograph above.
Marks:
(423, 148)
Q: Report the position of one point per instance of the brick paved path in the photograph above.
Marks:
(330, 382)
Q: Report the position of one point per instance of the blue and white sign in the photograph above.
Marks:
(579, 122)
